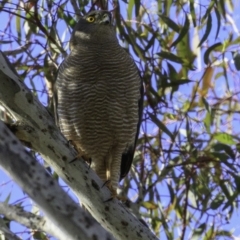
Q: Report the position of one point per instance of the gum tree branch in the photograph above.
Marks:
(70, 221)
(30, 220)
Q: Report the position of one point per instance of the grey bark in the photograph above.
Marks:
(30, 220)
(70, 221)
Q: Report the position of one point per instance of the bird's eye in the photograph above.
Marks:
(90, 19)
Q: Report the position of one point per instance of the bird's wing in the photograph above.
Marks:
(127, 157)
(55, 96)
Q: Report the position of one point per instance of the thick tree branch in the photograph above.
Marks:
(70, 220)
(34, 222)
(48, 141)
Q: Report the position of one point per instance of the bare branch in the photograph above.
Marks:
(19, 50)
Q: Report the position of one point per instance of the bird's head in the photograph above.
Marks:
(95, 26)
(98, 17)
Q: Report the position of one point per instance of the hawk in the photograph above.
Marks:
(99, 98)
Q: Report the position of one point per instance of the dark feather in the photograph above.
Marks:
(127, 157)
(55, 98)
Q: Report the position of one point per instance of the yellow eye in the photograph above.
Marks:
(90, 19)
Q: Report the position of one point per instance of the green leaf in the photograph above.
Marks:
(7, 199)
(224, 189)
(205, 103)
(192, 11)
(224, 138)
(183, 31)
(206, 82)
(170, 56)
(170, 23)
(172, 194)
(199, 230)
(208, 30)
(34, 27)
(18, 24)
(230, 5)
(222, 7)
(150, 43)
(207, 122)
(218, 16)
(236, 59)
(209, 50)
(217, 202)
(171, 71)
(70, 21)
(161, 125)
(130, 8)
(137, 7)
(223, 147)
(184, 51)
(177, 82)
(237, 182)
(39, 235)
(209, 10)
(209, 234)
(224, 233)
(230, 203)
(223, 157)
(150, 205)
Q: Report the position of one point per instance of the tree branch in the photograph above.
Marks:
(35, 222)
(49, 142)
(5, 232)
(70, 220)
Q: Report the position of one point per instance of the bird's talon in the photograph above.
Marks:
(122, 198)
(75, 159)
(70, 143)
(106, 183)
(112, 190)
(115, 196)
(89, 161)
(108, 200)
(79, 155)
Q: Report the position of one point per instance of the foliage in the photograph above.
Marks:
(185, 178)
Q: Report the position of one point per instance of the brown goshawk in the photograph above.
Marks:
(99, 98)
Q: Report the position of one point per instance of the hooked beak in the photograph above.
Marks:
(107, 18)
